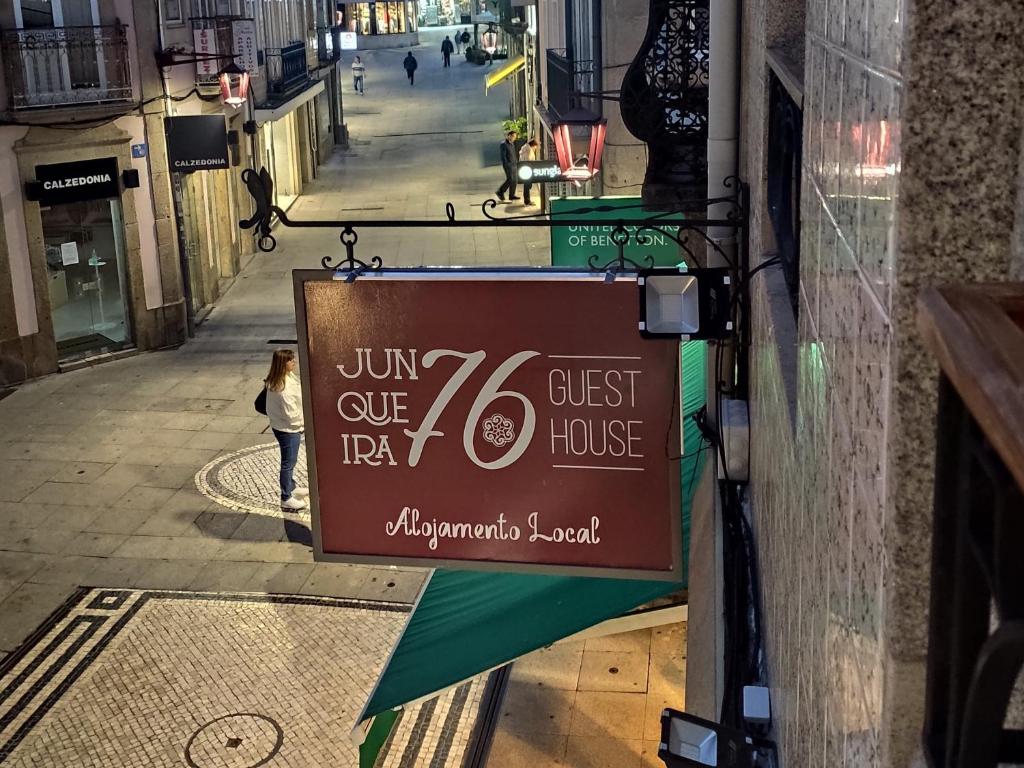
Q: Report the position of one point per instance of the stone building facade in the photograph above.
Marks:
(99, 270)
(911, 151)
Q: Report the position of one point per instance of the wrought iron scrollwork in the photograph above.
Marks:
(621, 263)
(350, 264)
(664, 99)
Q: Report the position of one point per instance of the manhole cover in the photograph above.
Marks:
(247, 480)
(235, 741)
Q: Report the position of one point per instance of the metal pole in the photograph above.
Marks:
(186, 270)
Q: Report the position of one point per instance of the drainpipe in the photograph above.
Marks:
(176, 197)
(723, 120)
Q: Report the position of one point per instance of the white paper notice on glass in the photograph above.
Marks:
(69, 253)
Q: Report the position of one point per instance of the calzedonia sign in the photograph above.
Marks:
(196, 143)
(73, 182)
(491, 420)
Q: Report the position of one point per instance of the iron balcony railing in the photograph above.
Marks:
(286, 68)
(64, 66)
(567, 79)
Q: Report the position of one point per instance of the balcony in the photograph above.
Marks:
(66, 66)
(976, 636)
(287, 71)
(566, 79)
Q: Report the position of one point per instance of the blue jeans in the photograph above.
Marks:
(289, 442)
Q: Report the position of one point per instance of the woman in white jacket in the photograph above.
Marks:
(284, 409)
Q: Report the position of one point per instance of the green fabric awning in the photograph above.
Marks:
(467, 622)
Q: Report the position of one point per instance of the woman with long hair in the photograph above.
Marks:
(284, 409)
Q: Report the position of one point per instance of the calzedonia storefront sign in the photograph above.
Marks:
(503, 421)
(196, 143)
(73, 182)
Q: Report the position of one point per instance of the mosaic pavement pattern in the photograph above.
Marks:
(247, 480)
(136, 679)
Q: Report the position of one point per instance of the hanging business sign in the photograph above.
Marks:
(204, 42)
(348, 41)
(540, 171)
(490, 420)
(243, 37)
(73, 182)
(196, 143)
(568, 243)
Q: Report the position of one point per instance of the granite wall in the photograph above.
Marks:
(912, 131)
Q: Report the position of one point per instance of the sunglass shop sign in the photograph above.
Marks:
(490, 421)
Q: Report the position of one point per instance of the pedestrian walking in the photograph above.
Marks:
(284, 409)
(465, 37)
(527, 153)
(446, 51)
(410, 65)
(508, 164)
(458, 41)
(358, 74)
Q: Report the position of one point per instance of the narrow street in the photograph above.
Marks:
(155, 473)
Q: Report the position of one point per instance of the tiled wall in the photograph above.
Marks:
(912, 166)
(820, 485)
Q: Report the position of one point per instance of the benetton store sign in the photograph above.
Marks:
(500, 420)
(73, 182)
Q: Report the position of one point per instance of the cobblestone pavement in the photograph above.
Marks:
(146, 678)
(246, 481)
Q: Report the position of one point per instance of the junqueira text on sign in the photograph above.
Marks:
(508, 421)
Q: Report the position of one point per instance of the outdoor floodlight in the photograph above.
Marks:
(685, 304)
(234, 85)
(688, 741)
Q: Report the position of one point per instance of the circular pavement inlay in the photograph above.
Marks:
(244, 740)
(247, 480)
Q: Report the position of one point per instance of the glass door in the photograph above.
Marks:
(87, 277)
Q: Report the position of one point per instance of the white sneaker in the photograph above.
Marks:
(301, 492)
(293, 504)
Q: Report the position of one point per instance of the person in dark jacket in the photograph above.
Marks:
(410, 65)
(446, 51)
(509, 163)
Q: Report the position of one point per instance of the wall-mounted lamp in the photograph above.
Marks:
(685, 304)
(234, 81)
(234, 84)
(586, 128)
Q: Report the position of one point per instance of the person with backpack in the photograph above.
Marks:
(410, 65)
(281, 402)
(446, 51)
(465, 37)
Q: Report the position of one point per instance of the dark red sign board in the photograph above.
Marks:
(506, 421)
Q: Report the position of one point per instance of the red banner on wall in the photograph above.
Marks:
(512, 421)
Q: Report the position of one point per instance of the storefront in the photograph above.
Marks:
(83, 242)
(381, 24)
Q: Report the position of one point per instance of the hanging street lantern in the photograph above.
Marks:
(234, 85)
(489, 39)
(576, 129)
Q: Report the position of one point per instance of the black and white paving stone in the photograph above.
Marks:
(247, 480)
(135, 678)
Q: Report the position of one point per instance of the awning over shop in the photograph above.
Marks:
(276, 110)
(510, 68)
(466, 622)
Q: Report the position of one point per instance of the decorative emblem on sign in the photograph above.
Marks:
(499, 431)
